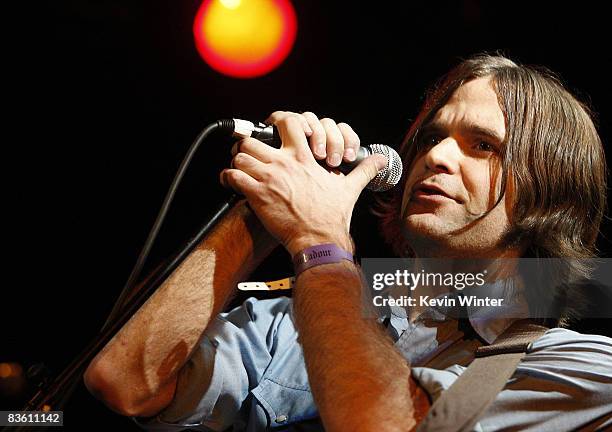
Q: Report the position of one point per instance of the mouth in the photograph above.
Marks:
(430, 192)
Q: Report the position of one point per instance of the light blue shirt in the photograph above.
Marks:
(248, 373)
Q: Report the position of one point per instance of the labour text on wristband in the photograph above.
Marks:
(320, 254)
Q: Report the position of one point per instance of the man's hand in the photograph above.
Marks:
(298, 201)
(328, 140)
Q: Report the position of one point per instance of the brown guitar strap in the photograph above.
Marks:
(460, 407)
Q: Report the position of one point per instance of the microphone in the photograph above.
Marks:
(386, 178)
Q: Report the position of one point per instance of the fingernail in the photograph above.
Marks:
(320, 150)
(381, 162)
(334, 159)
(349, 154)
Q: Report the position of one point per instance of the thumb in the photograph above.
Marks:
(367, 170)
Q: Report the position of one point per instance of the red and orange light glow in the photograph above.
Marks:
(245, 38)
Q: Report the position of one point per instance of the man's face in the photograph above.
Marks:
(456, 178)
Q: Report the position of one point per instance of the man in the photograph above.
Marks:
(493, 168)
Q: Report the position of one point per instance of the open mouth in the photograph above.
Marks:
(429, 192)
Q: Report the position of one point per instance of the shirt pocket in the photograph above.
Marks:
(285, 402)
(284, 392)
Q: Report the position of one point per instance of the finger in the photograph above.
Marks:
(277, 116)
(366, 171)
(334, 142)
(351, 141)
(239, 181)
(293, 138)
(255, 148)
(317, 139)
(250, 165)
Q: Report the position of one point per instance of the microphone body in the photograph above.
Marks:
(384, 180)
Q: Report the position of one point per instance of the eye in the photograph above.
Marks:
(485, 146)
(429, 140)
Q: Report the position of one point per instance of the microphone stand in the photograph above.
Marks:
(54, 395)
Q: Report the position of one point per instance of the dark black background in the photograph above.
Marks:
(109, 94)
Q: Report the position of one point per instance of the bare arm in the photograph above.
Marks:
(359, 380)
(136, 373)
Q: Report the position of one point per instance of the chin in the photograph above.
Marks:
(430, 236)
(426, 225)
(425, 233)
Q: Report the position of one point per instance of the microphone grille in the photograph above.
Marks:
(390, 175)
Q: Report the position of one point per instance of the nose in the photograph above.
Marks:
(443, 157)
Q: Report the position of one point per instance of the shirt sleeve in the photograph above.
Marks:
(228, 363)
(564, 383)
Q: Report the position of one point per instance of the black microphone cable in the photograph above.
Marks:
(55, 393)
(241, 129)
(221, 125)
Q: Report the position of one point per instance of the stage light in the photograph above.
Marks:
(9, 370)
(5, 370)
(245, 38)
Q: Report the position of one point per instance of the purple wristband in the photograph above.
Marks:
(320, 254)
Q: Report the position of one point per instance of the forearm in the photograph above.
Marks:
(143, 358)
(359, 380)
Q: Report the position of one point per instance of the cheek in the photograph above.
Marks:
(498, 220)
(482, 180)
(414, 170)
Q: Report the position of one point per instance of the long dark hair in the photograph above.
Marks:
(552, 157)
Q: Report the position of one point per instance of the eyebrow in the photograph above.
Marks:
(468, 128)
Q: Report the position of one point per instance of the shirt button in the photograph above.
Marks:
(281, 418)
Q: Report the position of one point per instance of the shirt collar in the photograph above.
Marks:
(488, 321)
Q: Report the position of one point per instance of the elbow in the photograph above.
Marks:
(99, 382)
(121, 395)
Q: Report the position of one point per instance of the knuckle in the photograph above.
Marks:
(318, 129)
(232, 176)
(303, 157)
(310, 114)
(335, 144)
(351, 138)
(275, 117)
(286, 121)
(246, 144)
(321, 126)
(300, 118)
(267, 177)
(240, 144)
(240, 160)
(334, 135)
(280, 164)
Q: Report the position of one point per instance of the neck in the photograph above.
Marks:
(490, 270)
